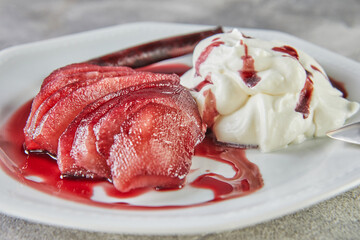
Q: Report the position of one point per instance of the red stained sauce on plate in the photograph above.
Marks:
(40, 171)
(247, 176)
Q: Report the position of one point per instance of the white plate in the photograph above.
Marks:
(296, 177)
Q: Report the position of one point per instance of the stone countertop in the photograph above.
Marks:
(332, 24)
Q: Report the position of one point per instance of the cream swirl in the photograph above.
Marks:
(265, 93)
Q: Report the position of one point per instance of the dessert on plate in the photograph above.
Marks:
(103, 120)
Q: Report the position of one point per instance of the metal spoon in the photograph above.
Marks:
(349, 133)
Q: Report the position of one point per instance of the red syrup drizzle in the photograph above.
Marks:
(288, 50)
(205, 54)
(316, 69)
(21, 166)
(248, 73)
(336, 84)
(202, 84)
(303, 104)
(339, 86)
(245, 36)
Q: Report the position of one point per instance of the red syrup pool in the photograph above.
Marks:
(40, 171)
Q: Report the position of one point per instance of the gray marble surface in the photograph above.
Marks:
(329, 23)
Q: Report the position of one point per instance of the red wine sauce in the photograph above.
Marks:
(336, 84)
(288, 50)
(339, 86)
(303, 104)
(248, 73)
(203, 83)
(204, 55)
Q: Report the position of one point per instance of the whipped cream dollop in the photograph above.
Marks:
(265, 93)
